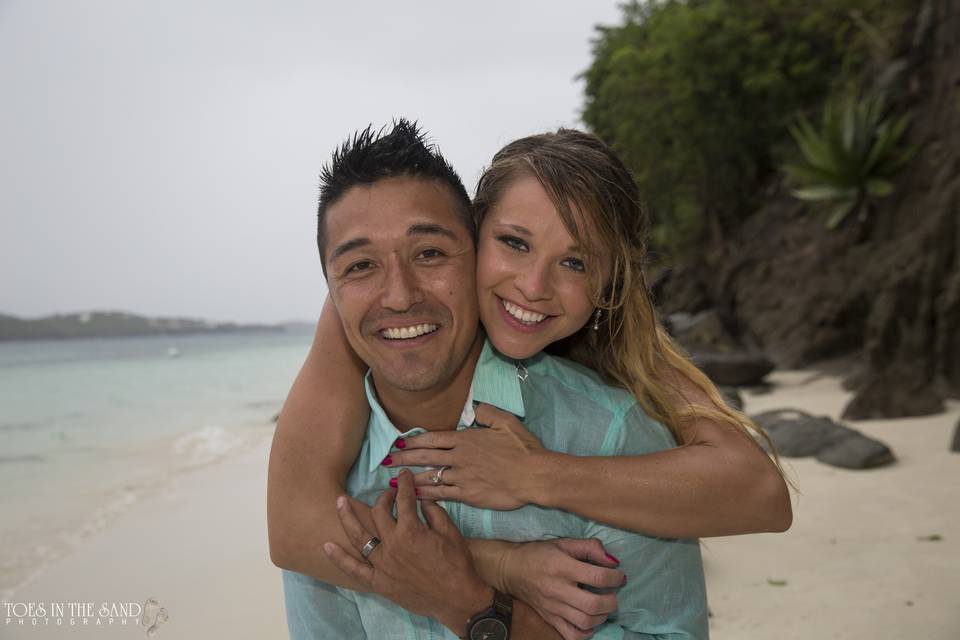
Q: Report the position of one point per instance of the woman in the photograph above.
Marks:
(560, 256)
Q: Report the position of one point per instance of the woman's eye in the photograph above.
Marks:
(575, 263)
(514, 243)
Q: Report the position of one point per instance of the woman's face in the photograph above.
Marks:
(532, 282)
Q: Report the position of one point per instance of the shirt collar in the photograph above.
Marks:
(495, 382)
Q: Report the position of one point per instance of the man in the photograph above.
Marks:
(397, 243)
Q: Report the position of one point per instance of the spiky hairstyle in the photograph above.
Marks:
(372, 155)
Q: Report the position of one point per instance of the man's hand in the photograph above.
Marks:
(424, 569)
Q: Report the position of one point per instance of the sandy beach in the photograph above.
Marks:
(199, 548)
(871, 554)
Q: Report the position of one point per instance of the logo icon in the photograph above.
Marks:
(153, 616)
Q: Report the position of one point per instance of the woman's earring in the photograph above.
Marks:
(596, 319)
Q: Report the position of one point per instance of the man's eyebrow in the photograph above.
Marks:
(426, 229)
(348, 246)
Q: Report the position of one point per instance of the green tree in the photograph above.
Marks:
(697, 95)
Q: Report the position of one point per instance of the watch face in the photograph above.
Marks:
(488, 629)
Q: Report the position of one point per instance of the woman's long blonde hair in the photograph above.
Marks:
(599, 204)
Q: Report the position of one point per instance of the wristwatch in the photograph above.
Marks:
(492, 623)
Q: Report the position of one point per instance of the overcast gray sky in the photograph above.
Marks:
(161, 157)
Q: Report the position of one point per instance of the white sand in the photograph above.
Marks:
(199, 548)
(852, 561)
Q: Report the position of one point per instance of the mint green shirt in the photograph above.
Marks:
(570, 410)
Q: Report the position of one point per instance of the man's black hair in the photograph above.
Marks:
(369, 156)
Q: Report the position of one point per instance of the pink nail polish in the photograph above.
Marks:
(387, 461)
(612, 558)
(400, 443)
(393, 482)
(624, 581)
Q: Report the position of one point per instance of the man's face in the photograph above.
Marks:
(400, 268)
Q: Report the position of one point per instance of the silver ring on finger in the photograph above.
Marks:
(438, 476)
(368, 548)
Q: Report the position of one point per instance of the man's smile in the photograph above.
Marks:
(408, 332)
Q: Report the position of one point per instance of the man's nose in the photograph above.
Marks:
(536, 283)
(401, 288)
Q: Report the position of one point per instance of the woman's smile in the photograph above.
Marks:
(523, 318)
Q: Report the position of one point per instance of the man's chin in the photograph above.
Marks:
(409, 380)
(411, 372)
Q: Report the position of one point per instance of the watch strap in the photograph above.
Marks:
(503, 605)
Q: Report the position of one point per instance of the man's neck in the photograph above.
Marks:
(435, 409)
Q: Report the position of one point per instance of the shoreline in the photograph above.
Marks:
(860, 548)
(199, 547)
(148, 469)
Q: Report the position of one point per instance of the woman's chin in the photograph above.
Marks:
(513, 348)
(517, 355)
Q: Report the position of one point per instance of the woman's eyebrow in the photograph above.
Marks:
(526, 232)
(521, 230)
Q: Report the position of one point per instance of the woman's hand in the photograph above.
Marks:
(490, 468)
(546, 575)
(416, 566)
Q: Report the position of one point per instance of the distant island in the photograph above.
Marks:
(117, 324)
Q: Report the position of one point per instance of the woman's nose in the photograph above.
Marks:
(535, 283)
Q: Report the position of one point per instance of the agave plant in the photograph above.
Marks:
(852, 158)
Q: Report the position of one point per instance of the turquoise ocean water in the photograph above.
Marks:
(89, 427)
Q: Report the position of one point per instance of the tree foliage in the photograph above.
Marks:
(696, 95)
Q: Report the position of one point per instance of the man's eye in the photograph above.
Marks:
(575, 263)
(514, 243)
(359, 267)
(431, 253)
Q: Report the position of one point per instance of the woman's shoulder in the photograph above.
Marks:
(617, 424)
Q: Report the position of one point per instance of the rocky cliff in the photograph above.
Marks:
(884, 292)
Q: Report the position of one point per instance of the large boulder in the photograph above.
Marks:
(797, 434)
(856, 451)
(738, 369)
(896, 392)
(704, 331)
